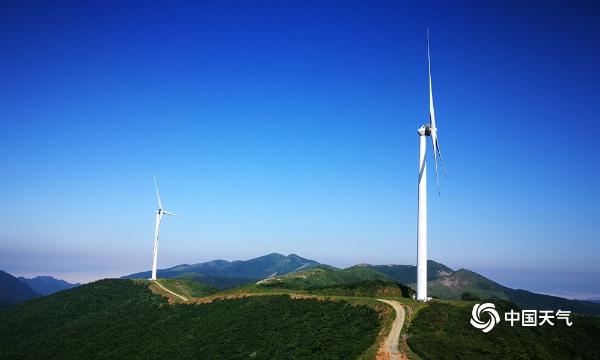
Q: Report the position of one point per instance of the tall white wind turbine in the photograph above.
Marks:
(159, 214)
(424, 131)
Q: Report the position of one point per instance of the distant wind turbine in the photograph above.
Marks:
(159, 215)
(424, 131)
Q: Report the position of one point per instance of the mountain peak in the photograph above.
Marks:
(223, 273)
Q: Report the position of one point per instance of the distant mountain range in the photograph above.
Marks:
(15, 290)
(443, 282)
(228, 274)
(295, 272)
(47, 285)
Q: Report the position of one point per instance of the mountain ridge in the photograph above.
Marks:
(226, 274)
(46, 285)
(13, 290)
(443, 281)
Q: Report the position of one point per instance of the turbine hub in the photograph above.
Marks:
(425, 130)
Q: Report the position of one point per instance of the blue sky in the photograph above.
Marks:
(291, 127)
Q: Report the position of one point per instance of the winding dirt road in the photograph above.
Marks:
(169, 291)
(389, 349)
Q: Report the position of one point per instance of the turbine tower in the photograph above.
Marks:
(424, 131)
(159, 214)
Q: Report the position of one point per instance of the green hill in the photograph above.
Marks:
(455, 284)
(463, 282)
(228, 274)
(123, 319)
(353, 281)
(442, 331)
(188, 288)
(4, 304)
(445, 283)
(323, 276)
(407, 274)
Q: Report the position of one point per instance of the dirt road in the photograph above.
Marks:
(169, 291)
(389, 348)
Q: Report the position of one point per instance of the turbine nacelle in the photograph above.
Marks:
(426, 130)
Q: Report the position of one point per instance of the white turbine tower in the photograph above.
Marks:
(424, 131)
(159, 214)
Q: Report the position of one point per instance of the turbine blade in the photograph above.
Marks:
(437, 145)
(433, 128)
(431, 109)
(170, 213)
(434, 142)
(157, 194)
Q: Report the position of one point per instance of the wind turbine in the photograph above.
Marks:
(424, 131)
(159, 214)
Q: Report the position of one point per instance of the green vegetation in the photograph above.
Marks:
(188, 288)
(324, 280)
(323, 276)
(461, 281)
(123, 319)
(468, 296)
(442, 331)
(4, 304)
(371, 288)
(219, 282)
(407, 274)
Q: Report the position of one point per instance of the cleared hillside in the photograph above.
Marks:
(188, 288)
(123, 319)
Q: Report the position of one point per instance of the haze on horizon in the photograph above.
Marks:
(291, 127)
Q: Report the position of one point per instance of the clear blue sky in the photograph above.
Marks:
(291, 127)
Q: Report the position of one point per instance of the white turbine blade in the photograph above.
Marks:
(435, 154)
(433, 128)
(431, 109)
(170, 213)
(157, 194)
(439, 152)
